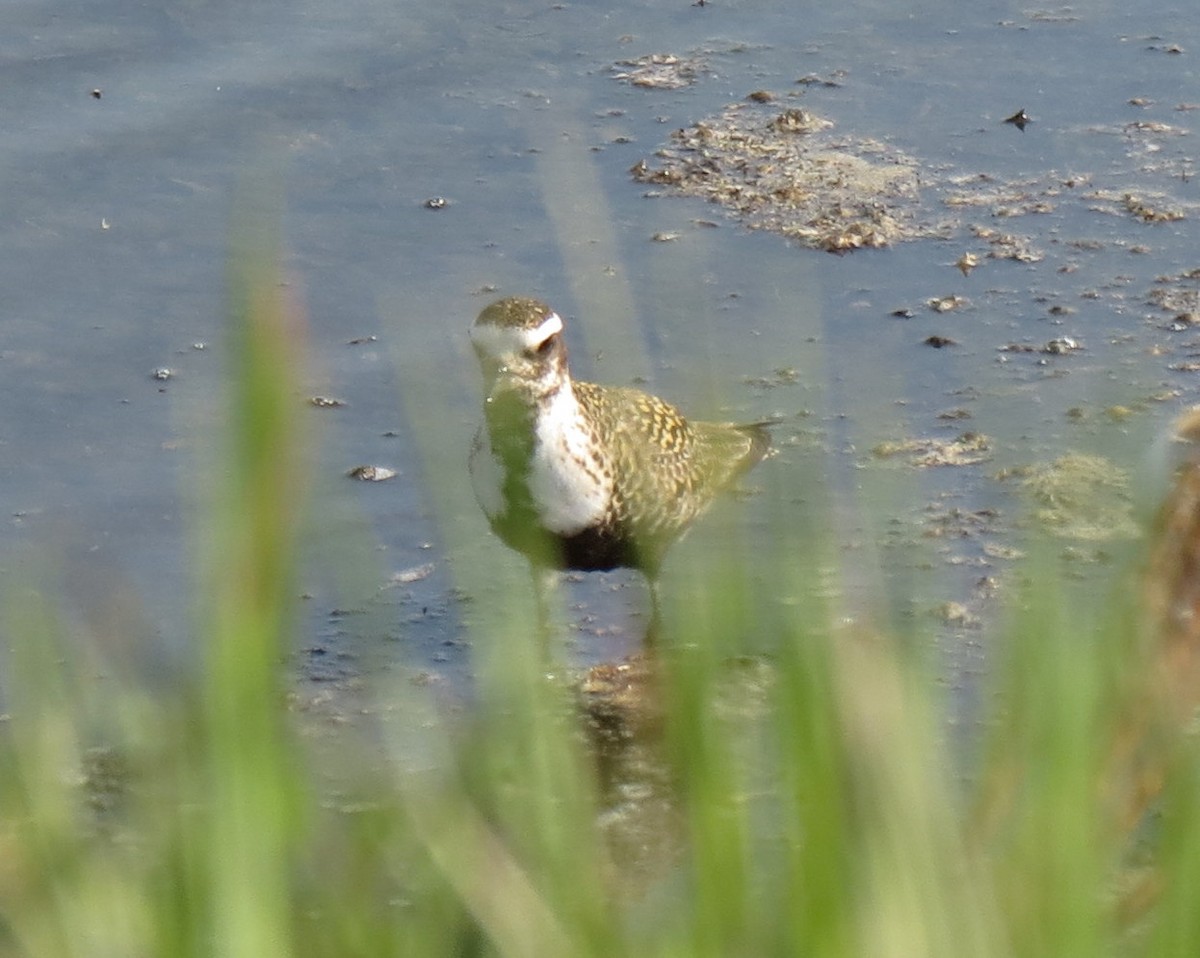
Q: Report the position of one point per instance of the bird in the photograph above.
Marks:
(579, 476)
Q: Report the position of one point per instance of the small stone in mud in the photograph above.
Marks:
(665, 237)
(939, 342)
(761, 96)
(162, 374)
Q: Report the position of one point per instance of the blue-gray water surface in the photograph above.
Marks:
(128, 125)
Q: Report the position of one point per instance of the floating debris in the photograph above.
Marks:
(1081, 497)
(414, 574)
(326, 402)
(956, 614)
(1002, 200)
(796, 120)
(1020, 119)
(944, 304)
(994, 550)
(966, 263)
(163, 374)
(1152, 207)
(1061, 345)
(1154, 127)
(1177, 295)
(1066, 15)
(372, 473)
(784, 172)
(968, 449)
(939, 342)
(661, 71)
(436, 203)
(1151, 213)
(785, 376)
(834, 79)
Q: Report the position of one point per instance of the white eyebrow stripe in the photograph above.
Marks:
(497, 340)
(550, 325)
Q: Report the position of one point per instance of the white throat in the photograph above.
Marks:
(570, 485)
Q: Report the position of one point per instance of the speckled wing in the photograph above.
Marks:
(669, 470)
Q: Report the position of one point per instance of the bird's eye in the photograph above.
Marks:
(544, 348)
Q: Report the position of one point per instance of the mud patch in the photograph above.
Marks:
(787, 172)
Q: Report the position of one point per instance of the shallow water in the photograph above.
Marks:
(112, 255)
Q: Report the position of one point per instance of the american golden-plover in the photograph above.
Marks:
(579, 476)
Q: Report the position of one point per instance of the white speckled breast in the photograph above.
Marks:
(570, 479)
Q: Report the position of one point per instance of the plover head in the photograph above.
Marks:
(520, 348)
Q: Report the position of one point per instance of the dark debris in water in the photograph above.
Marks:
(1020, 119)
(788, 170)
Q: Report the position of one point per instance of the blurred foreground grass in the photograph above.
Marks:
(802, 803)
